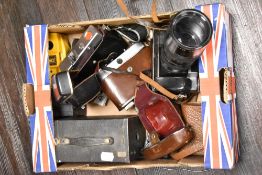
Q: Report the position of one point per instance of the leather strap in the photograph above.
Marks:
(158, 86)
(85, 141)
(154, 12)
(186, 152)
(124, 9)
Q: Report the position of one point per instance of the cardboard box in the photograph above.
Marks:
(108, 111)
(219, 120)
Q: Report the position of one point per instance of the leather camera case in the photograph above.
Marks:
(120, 87)
(192, 116)
(162, 120)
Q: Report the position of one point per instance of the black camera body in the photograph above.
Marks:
(176, 50)
(174, 80)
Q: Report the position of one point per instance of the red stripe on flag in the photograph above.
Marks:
(38, 99)
(213, 89)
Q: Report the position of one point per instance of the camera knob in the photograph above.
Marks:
(119, 61)
(129, 69)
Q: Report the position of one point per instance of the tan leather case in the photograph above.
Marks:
(120, 88)
(192, 116)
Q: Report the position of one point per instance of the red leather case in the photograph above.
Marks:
(161, 119)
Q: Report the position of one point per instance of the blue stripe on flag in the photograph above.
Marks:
(224, 158)
(203, 110)
(47, 81)
(200, 66)
(226, 112)
(30, 36)
(222, 59)
(52, 161)
(50, 120)
(29, 78)
(38, 160)
(215, 8)
(198, 7)
(207, 162)
(32, 127)
(43, 35)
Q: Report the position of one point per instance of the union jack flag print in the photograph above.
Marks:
(220, 132)
(41, 122)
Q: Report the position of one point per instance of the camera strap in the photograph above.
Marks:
(151, 82)
(158, 87)
(133, 32)
(124, 9)
(143, 22)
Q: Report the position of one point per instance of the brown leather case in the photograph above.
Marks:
(120, 88)
(192, 116)
(167, 145)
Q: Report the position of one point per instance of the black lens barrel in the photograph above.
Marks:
(189, 33)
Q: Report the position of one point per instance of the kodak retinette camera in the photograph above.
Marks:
(178, 48)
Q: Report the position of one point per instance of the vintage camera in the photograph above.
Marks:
(175, 51)
(83, 50)
(78, 82)
(119, 78)
(94, 45)
(57, 51)
(64, 91)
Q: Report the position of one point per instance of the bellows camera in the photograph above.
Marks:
(175, 51)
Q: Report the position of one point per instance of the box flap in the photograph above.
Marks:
(81, 26)
(41, 121)
(220, 135)
(192, 161)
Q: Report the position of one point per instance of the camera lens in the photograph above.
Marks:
(189, 32)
